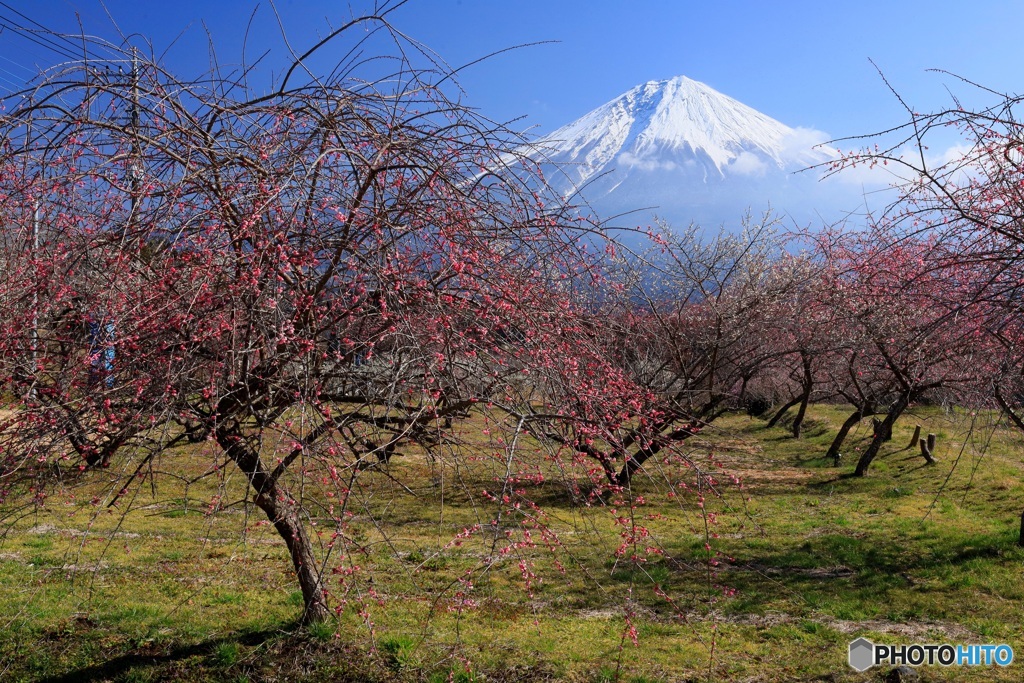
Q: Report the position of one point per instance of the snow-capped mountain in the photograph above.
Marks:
(685, 152)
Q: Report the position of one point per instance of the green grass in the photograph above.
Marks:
(802, 560)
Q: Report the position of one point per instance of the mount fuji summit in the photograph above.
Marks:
(681, 151)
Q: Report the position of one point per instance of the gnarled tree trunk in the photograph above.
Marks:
(805, 396)
(885, 427)
(850, 423)
(782, 411)
(283, 512)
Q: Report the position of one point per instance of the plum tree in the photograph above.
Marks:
(684, 329)
(311, 279)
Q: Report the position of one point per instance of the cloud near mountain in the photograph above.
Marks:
(687, 153)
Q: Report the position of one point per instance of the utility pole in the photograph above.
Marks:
(34, 334)
(135, 170)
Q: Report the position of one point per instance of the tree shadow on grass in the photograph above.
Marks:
(868, 566)
(118, 667)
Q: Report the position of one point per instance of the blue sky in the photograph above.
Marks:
(804, 63)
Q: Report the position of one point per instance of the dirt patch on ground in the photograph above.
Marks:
(89, 567)
(735, 448)
(836, 572)
(607, 613)
(44, 529)
(746, 462)
(752, 478)
(921, 631)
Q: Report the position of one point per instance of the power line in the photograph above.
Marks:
(45, 29)
(17, 64)
(46, 37)
(14, 81)
(28, 34)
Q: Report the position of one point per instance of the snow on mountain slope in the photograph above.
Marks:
(688, 150)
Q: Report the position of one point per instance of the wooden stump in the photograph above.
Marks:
(917, 437)
(928, 449)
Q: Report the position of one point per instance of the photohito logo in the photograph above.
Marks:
(864, 654)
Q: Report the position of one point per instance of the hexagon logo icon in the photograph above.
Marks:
(862, 654)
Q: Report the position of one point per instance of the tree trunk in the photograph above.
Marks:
(805, 397)
(634, 462)
(884, 428)
(1014, 417)
(1020, 537)
(878, 427)
(837, 443)
(798, 421)
(283, 512)
(782, 411)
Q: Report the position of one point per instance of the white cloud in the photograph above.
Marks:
(748, 163)
(644, 164)
(804, 145)
(899, 170)
(951, 154)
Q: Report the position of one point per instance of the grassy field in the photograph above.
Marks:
(802, 560)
